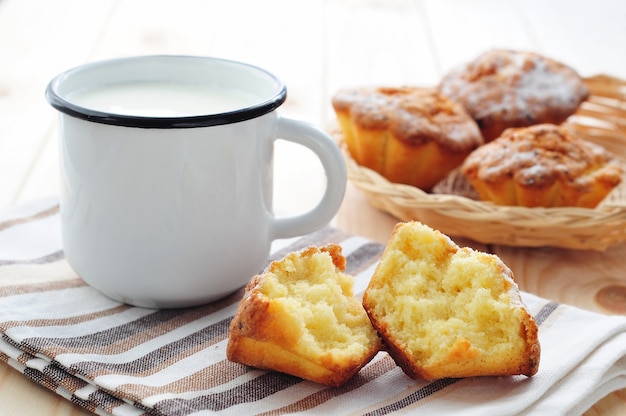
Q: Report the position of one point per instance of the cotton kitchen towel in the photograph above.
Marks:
(117, 359)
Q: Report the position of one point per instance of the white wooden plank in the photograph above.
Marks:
(378, 43)
(43, 177)
(464, 29)
(159, 27)
(588, 35)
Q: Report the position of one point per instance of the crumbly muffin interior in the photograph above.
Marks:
(320, 301)
(443, 304)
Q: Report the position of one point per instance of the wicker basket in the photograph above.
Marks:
(601, 119)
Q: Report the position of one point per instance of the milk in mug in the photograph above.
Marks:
(162, 99)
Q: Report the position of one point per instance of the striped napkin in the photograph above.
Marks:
(117, 359)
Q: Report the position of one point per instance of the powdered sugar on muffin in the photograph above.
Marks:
(505, 88)
(542, 165)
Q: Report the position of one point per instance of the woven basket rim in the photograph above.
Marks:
(420, 198)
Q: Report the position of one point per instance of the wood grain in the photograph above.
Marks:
(592, 280)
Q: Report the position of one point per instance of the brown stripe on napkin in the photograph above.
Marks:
(105, 401)
(207, 378)
(254, 390)
(56, 377)
(41, 378)
(24, 357)
(413, 398)
(60, 322)
(21, 220)
(84, 404)
(366, 375)
(14, 290)
(128, 335)
(63, 379)
(159, 359)
(52, 377)
(87, 404)
(266, 385)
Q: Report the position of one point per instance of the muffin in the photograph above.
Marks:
(445, 311)
(542, 166)
(300, 317)
(409, 135)
(506, 88)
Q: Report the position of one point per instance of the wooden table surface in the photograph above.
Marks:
(316, 47)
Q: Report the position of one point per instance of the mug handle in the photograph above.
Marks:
(334, 166)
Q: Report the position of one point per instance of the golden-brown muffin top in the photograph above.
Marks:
(540, 155)
(411, 114)
(515, 84)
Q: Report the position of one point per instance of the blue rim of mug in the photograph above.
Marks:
(55, 99)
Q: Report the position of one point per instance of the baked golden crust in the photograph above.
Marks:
(507, 88)
(409, 135)
(542, 165)
(445, 311)
(300, 317)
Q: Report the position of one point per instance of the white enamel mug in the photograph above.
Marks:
(175, 209)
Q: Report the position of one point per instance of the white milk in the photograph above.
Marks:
(162, 99)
